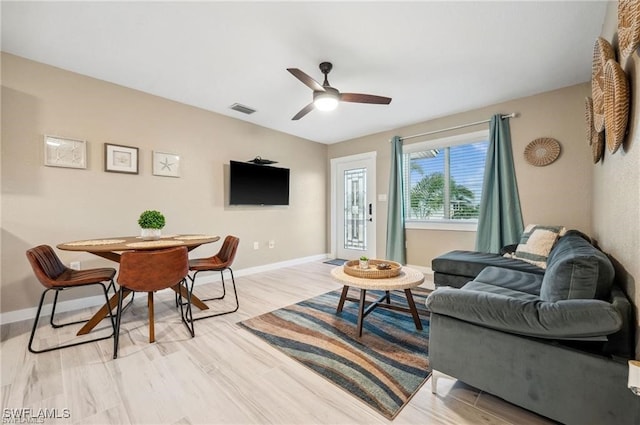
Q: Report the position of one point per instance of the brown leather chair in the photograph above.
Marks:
(149, 271)
(57, 277)
(218, 263)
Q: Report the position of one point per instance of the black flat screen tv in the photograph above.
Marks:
(252, 184)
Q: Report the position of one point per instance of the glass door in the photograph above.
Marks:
(355, 208)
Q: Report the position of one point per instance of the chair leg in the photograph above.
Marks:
(187, 316)
(235, 292)
(152, 330)
(59, 347)
(117, 331)
(193, 282)
(55, 303)
(35, 322)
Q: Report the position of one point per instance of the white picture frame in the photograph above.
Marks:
(65, 152)
(166, 164)
(120, 159)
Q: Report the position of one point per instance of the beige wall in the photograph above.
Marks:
(616, 186)
(559, 193)
(47, 205)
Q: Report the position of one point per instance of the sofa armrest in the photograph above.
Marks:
(566, 319)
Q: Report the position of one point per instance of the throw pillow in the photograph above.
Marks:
(536, 243)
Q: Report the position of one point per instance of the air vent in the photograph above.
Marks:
(241, 108)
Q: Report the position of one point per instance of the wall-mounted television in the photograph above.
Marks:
(252, 184)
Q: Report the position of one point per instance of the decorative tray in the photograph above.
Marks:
(352, 268)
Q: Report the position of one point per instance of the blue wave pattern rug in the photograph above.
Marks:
(384, 368)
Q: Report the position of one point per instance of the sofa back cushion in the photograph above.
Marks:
(576, 270)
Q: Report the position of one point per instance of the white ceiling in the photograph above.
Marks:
(433, 58)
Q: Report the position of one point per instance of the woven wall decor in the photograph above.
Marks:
(602, 52)
(628, 27)
(542, 151)
(616, 104)
(594, 138)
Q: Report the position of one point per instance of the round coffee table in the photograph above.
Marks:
(407, 279)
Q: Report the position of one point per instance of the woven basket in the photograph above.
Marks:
(595, 138)
(542, 151)
(628, 27)
(602, 52)
(616, 104)
(352, 268)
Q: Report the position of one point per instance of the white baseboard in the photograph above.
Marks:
(98, 300)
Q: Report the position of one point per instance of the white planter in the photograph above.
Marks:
(150, 234)
(364, 264)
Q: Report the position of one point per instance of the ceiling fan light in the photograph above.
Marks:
(325, 102)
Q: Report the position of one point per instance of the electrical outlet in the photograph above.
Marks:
(272, 244)
(256, 245)
(75, 265)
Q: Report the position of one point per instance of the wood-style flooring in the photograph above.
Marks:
(224, 375)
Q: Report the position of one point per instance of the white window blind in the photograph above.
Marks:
(443, 179)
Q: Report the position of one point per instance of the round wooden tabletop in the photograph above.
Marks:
(128, 243)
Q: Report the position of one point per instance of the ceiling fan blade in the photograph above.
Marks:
(304, 111)
(364, 98)
(306, 80)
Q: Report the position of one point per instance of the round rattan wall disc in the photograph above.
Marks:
(595, 138)
(628, 27)
(616, 104)
(602, 52)
(542, 151)
(597, 147)
(588, 117)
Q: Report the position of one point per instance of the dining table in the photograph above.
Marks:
(111, 249)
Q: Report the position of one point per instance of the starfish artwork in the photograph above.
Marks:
(166, 165)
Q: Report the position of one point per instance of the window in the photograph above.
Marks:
(443, 181)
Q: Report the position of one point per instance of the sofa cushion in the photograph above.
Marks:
(471, 263)
(475, 285)
(576, 270)
(528, 283)
(536, 243)
(568, 319)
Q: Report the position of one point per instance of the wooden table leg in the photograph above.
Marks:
(102, 313)
(413, 309)
(343, 297)
(363, 293)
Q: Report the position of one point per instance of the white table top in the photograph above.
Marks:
(408, 278)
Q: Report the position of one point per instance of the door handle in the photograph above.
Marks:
(370, 212)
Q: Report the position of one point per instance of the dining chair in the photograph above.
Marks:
(218, 263)
(55, 276)
(150, 271)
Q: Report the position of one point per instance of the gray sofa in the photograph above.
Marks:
(555, 341)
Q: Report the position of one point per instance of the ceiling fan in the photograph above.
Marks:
(325, 97)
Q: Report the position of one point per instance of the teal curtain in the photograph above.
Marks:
(500, 220)
(396, 250)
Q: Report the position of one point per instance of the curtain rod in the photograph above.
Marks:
(511, 115)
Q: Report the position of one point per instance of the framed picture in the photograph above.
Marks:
(120, 159)
(166, 164)
(63, 152)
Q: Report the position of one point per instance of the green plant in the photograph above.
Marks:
(151, 219)
(364, 258)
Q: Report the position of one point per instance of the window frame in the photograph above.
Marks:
(470, 225)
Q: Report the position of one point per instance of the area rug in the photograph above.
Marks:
(336, 262)
(384, 368)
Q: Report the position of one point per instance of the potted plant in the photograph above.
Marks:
(364, 262)
(151, 221)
